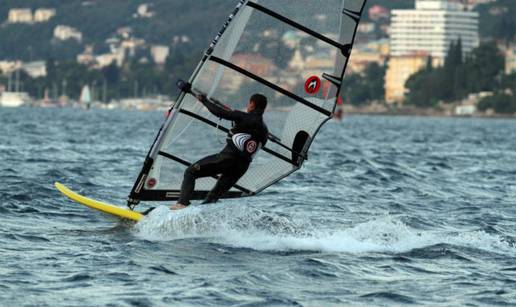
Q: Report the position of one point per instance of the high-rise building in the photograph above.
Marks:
(428, 30)
(431, 27)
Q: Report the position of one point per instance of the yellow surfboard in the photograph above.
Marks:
(100, 206)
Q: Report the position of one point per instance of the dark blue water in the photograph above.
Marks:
(387, 211)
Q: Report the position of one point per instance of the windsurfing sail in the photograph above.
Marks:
(295, 52)
(85, 98)
(85, 95)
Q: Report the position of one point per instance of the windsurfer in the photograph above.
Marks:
(248, 135)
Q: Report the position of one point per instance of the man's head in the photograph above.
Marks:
(257, 102)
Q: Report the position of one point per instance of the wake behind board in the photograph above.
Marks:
(100, 206)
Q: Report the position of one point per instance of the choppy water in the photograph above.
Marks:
(387, 211)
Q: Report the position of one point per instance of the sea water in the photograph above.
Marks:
(386, 211)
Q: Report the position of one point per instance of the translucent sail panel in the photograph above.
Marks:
(235, 90)
(279, 53)
(299, 122)
(189, 140)
(323, 16)
(195, 133)
(292, 51)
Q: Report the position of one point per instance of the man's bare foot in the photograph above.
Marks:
(177, 206)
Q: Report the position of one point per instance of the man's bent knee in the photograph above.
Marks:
(192, 171)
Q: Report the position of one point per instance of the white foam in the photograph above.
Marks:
(255, 229)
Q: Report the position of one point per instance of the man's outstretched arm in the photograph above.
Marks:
(218, 110)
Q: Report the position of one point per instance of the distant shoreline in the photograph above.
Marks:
(371, 110)
(381, 110)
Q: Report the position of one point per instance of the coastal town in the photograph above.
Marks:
(398, 43)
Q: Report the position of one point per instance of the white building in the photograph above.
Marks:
(159, 53)
(144, 11)
(44, 15)
(465, 110)
(104, 60)
(14, 99)
(86, 57)
(130, 45)
(35, 69)
(65, 33)
(7, 67)
(20, 16)
(431, 27)
(366, 27)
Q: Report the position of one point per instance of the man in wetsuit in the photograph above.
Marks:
(248, 135)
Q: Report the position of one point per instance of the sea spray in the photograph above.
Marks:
(268, 231)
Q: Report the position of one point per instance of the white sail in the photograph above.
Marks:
(85, 95)
(294, 52)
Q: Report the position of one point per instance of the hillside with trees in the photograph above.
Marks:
(132, 79)
(480, 71)
(99, 20)
(498, 20)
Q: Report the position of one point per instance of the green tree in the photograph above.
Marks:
(111, 73)
(480, 71)
(424, 88)
(374, 77)
(508, 82)
(360, 89)
(483, 68)
(498, 20)
(500, 103)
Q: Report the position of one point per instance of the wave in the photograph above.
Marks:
(244, 227)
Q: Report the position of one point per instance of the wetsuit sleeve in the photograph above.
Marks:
(221, 112)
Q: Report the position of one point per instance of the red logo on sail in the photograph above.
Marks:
(312, 85)
(151, 183)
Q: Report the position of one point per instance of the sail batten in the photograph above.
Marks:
(295, 52)
(226, 130)
(269, 84)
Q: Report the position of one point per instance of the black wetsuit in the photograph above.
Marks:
(248, 135)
